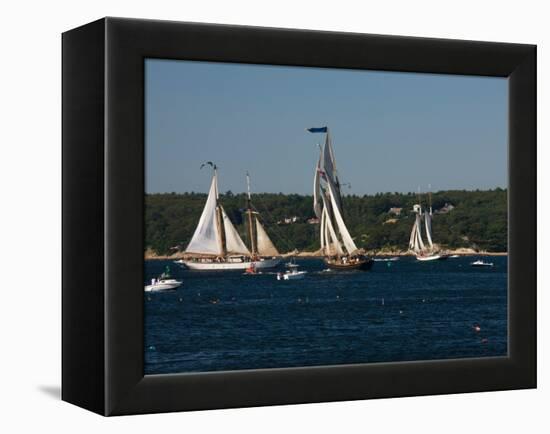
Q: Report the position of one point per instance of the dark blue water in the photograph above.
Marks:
(406, 310)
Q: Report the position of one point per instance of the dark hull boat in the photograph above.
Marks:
(361, 263)
(338, 246)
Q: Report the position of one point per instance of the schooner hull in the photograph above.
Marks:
(431, 258)
(230, 266)
(362, 265)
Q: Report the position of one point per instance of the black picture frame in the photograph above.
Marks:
(103, 218)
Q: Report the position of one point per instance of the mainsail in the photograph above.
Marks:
(263, 243)
(207, 237)
(344, 233)
(327, 202)
(211, 232)
(317, 205)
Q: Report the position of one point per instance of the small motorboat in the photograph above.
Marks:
(164, 282)
(251, 271)
(158, 285)
(481, 263)
(292, 274)
(454, 256)
(395, 258)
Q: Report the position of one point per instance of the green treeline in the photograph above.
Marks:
(478, 219)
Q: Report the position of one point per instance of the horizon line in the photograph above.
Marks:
(496, 188)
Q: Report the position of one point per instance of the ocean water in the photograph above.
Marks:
(399, 311)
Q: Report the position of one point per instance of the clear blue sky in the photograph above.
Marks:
(391, 131)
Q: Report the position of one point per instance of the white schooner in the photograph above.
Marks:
(423, 251)
(337, 245)
(217, 245)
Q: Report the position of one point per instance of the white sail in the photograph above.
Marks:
(317, 190)
(419, 243)
(264, 244)
(415, 242)
(329, 242)
(233, 242)
(412, 240)
(207, 239)
(334, 246)
(428, 222)
(328, 169)
(346, 237)
(323, 229)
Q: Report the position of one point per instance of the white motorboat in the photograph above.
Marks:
(159, 285)
(454, 256)
(216, 244)
(292, 274)
(164, 282)
(481, 263)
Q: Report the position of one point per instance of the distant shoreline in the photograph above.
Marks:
(149, 255)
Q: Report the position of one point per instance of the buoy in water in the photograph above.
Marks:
(476, 328)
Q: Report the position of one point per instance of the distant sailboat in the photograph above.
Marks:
(217, 245)
(338, 247)
(423, 251)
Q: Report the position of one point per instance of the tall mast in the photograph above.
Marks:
(219, 219)
(430, 197)
(249, 211)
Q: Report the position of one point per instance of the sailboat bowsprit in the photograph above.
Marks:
(217, 245)
(337, 245)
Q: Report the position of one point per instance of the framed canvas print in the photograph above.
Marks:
(279, 216)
